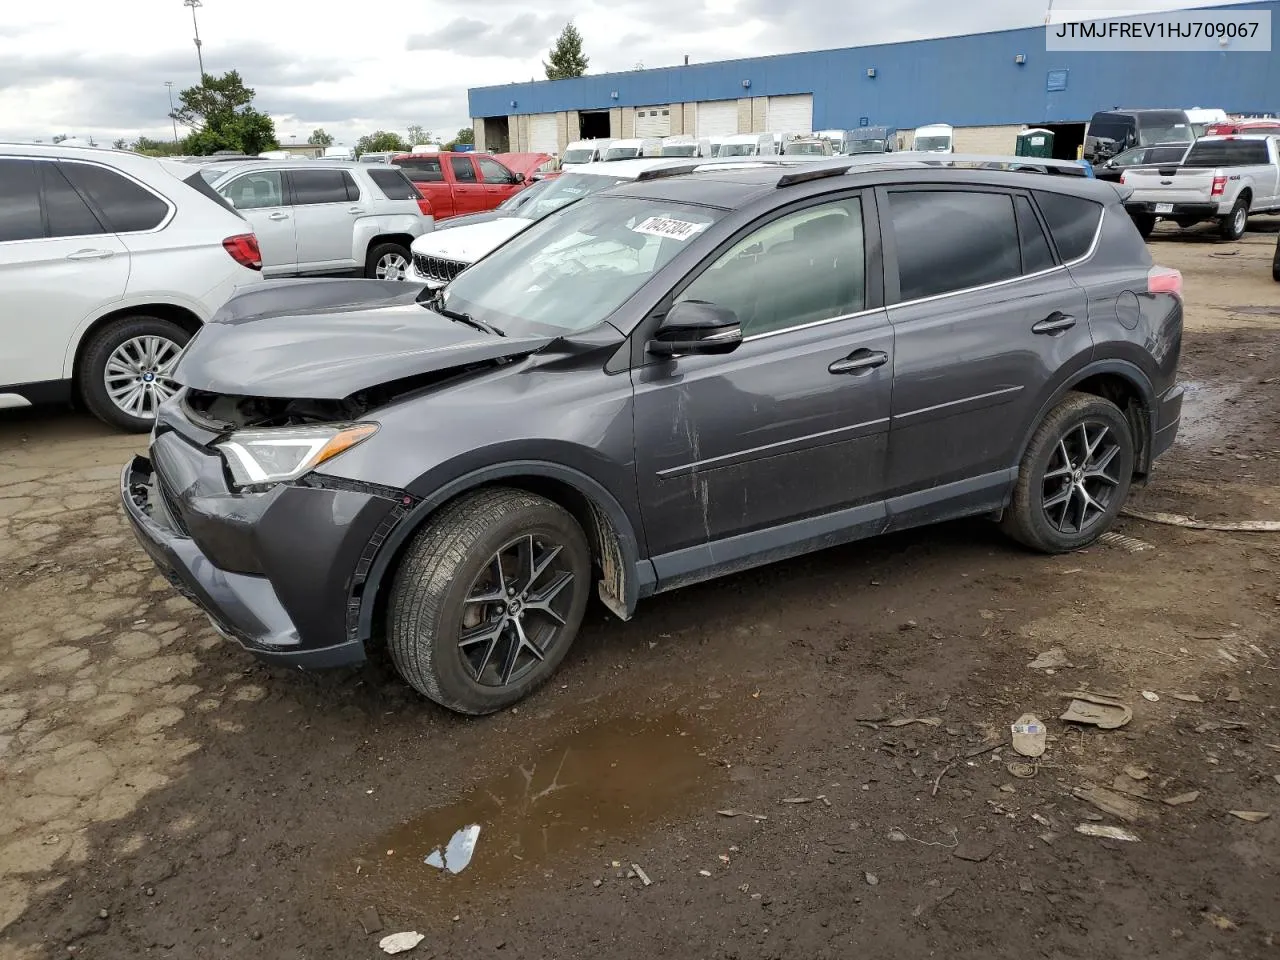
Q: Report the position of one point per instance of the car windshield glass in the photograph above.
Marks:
(804, 149)
(738, 149)
(681, 150)
(622, 153)
(933, 143)
(1164, 133)
(573, 269)
(868, 146)
(566, 189)
(577, 156)
(529, 193)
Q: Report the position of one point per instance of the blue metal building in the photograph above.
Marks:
(1001, 79)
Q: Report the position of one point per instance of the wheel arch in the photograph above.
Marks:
(612, 537)
(184, 317)
(1124, 384)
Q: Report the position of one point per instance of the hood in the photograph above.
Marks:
(469, 219)
(469, 244)
(329, 339)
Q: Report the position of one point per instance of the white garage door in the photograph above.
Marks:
(717, 118)
(542, 133)
(791, 114)
(653, 121)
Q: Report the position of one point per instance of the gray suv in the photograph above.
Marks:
(674, 379)
(318, 217)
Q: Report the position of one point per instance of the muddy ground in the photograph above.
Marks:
(162, 795)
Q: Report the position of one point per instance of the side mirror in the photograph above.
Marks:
(696, 326)
(517, 178)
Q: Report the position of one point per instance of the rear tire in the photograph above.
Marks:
(119, 344)
(387, 261)
(1074, 476)
(477, 620)
(1145, 223)
(1232, 226)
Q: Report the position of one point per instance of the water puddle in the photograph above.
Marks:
(1205, 408)
(593, 789)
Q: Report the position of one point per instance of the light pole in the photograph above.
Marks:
(169, 84)
(196, 26)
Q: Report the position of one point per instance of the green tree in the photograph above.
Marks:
(319, 138)
(380, 141)
(566, 58)
(59, 138)
(118, 143)
(221, 116)
(418, 134)
(465, 135)
(157, 148)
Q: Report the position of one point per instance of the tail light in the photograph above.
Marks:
(425, 207)
(1164, 280)
(1219, 186)
(1123, 174)
(244, 250)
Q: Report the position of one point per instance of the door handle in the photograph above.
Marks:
(1055, 322)
(355, 209)
(277, 216)
(91, 255)
(860, 361)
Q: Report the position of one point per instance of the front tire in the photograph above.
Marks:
(1231, 227)
(488, 599)
(387, 261)
(126, 370)
(1074, 476)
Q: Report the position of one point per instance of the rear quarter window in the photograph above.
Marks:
(1072, 221)
(1228, 153)
(394, 185)
(125, 206)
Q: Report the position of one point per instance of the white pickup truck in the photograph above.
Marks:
(1221, 178)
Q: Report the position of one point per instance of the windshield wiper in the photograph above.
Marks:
(438, 306)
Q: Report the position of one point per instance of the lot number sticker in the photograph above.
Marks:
(667, 227)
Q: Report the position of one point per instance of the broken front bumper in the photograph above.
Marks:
(276, 570)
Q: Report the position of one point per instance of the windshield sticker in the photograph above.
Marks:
(667, 227)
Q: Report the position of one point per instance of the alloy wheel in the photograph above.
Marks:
(1241, 220)
(139, 375)
(392, 266)
(1081, 477)
(515, 610)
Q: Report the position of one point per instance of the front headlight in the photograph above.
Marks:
(286, 453)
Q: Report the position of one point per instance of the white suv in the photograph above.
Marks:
(316, 217)
(109, 262)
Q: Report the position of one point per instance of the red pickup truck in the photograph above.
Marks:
(458, 183)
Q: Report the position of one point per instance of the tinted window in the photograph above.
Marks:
(425, 169)
(127, 207)
(1035, 248)
(199, 183)
(394, 185)
(318, 186)
(491, 171)
(950, 240)
(19, 201)
(353, 188)
(254, 191)
(1165, 154)
(1072, 222)
(68, 214)
(1227, 153)
(463, 170)
(1110, 126)
(803, 267)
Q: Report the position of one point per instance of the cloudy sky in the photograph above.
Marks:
(89, 68)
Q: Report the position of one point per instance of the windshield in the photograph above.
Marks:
(1165, 133)
(738, 149)
(517, 200)
(805, 149)
(564, 190)
(572, 270)
(871, 146)
(622, 153)
(581, 155)
(681, 150)
(933, 143)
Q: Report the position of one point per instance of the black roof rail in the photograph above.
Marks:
(819, 173)
(657, 173)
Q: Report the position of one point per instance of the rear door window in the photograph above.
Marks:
(65, 209)
(1073, 222)
(125, 206)
(950, 240)
(20, 201)
(394, 185)
(311, 187)
(464, 170)
(424, 169)
(1036, 255)
(1227, 153)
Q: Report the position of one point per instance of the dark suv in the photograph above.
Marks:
(674, 379)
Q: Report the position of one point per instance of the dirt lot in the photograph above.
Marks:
(163, 795)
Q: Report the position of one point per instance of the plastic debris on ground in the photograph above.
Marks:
(1096, 709)
(457, 853)
(1107, 833)
(1029, 735)
(400, 942)
(1250, 816)
(1054, 658)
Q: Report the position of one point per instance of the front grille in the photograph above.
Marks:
(438, 268)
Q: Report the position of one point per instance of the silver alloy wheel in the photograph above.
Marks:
(1241, 220)
(392, 266)
(1081, 477)
(138, 375)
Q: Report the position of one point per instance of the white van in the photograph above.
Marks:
(682, 145)
(634, 149)
(748, 145)
(584, 151)
(1201, 117)
(934, 138)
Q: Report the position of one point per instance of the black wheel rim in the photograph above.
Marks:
(1082, 477)
(516, 610)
